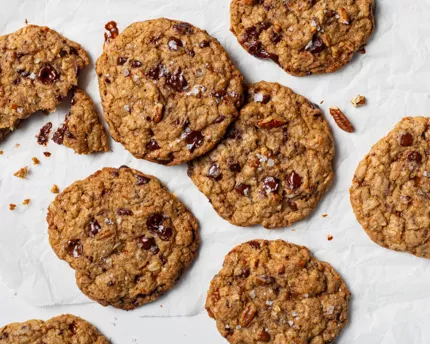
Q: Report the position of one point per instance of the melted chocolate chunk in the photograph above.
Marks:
(166, 233)
(194, 139)
(42, 138)
(94, 228)
(256, 49)
(214, 172)
(204, 44)
(294, 180)
(177, 81)
(254, 244)
(183, 28)
(174, 43)
(414, 157)
(276, 37)
(121, 61)
(148, 244)
(271, 185)
(75, 248)
(152, 145)
(234, 166)
(154, 223)
(167, 160)
(243, 189)
(316, 45)
(73, 327)
(62, 131)
(124, 212)
(112, 31)
(141, 180)
(220, 119)
(157, 72)
(135, 64)
(48, 74)
(406, 140)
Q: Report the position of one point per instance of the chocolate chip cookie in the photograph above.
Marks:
(274, 164)
(128, 238)
(168, 89)
(82, 130)
(390, 192)
(276, 292)
(303, 36)
(38, 67)
(66, 328)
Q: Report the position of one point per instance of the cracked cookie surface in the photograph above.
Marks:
(66, 328)
(168, 89)
(274, 164)
(303, 36)
(276, 292)
(82, 130)
(38, 67)
(390, 192)
(128, 238)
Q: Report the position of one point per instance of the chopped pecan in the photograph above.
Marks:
(158, 113)
(247, 315)
(358, 101)
(341, 120)
(270, 122)
(343, 16)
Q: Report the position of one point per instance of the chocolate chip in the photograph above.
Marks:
(214, 172)
(219, 94)
(59, 134)
(220, 119)
(292, 205)
(154, 222)
(73, 51)
(243, 189)
(191, 53)
(406, 140)
(48, 74)
(121, 61)
(261, 98)
(157, 72)
(152, 145)
(244, 273)
(141, 180)
(234, 166)
(414, 157)
(174, 43)
(42, 138)
(148, 244)
(183, 28)
(166, 233)
(254, 244)
(112, 31)
(135, 64)
(316, 45)
(73, 327)
(271, 185)
(294, 180)
(124, 212)
(204, 44)
(167, 160)
(94, 228)
(276, 37)
(263, 336)
(75, 248)
(177, 81)
(194, 139)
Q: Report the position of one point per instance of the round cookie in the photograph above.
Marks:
(168, 89)
(303, 36)
(66, 328)
(128, 238)
(38, 67)
(276, 292)
(390, 192)
(274, 164)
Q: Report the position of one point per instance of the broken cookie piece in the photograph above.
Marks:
(22, 173)
(82, 130)
(38, 68)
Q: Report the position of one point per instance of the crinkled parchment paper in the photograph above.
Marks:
(394, 75)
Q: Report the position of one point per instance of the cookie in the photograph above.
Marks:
(66, 328)
(303, 36)
(276, 292)
(168, 89)
(390, 192)
(128, 238)
(82, 130)
(274, 164)
(38, 68)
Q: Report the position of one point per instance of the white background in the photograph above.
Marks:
(391, 291)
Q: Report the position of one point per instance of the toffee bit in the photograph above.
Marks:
(22, 173)
(55, 189)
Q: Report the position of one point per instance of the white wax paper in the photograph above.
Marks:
(394, 75)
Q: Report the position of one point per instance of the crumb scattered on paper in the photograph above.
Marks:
(55, 189)
(26, 201)
(12, 206)
(324, 215)
(47, 154)
(358, 101)
(22, 173)
(36, 161)
(329, 237)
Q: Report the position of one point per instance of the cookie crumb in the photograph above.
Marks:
(1, 152)
(321, 102)
(55, 189)
(26, 201)
(17, 145)
(22, 173)
(358, 101)
(36, 161)
(12, 206)
(26, 21)
(330, 237)
(324, 215)
(47, 154)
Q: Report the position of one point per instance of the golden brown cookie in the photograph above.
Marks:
(276, 292)
(390, 192)
(38, 68)
(128, 238)
(168, 89)
(303, 36)
(275, 163)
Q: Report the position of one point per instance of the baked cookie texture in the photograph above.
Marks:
(82, 130)
(128, 238)
(276, 292)
(38, 68)
(168, 89)
(390, 192)
(274, 164)
(66, 328)
(303, 36)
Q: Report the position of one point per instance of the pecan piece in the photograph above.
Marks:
(270, 122)
(341, 120)
(158, 113)
(358, 101)
(247, 315)
(343, 16)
